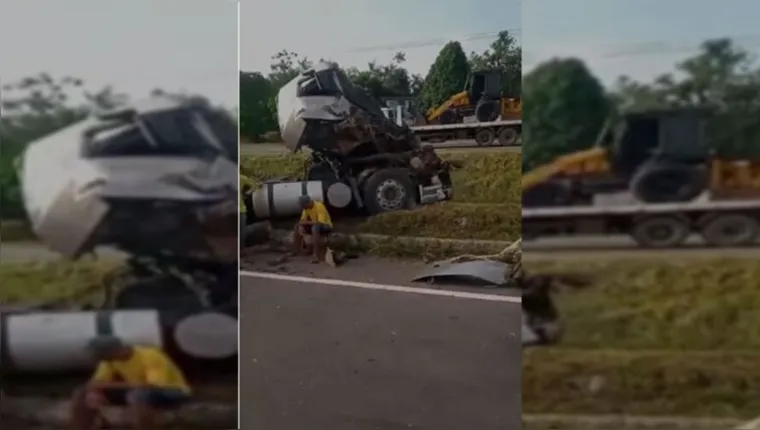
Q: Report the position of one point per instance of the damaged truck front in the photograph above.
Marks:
(359, 159)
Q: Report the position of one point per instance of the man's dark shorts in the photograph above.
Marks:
(318, 229)
(159, 398)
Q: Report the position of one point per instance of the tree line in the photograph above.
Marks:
(565, 105)
(447, 76)
(37, 106)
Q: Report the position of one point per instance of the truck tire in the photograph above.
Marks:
(508, 136)
(731, 230)
(485, 137)
(668, 183)
(389, 190)
(660, 231)
(487, 111)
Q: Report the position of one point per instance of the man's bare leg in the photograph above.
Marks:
(320, 246)
(298, 240)
(141, 415)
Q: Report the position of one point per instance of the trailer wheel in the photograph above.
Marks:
(485, 137)
(668, 183)
(487, 111)
(389, 190)
(660, 231)
(508, 136)
(731, 230)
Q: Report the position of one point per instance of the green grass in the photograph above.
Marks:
(652, 337)
(681, 304)
(447, 221)
(16, 231)
(72, 282)
(684, 383)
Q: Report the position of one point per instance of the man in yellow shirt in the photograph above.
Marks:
(142, 379)
(316, 224)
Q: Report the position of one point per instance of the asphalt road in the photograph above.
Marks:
(600, 247)
(325, 356)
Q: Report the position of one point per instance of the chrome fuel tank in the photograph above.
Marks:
(280, 199)
(56, 342)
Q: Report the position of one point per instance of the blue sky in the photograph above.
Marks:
(602, 31)
(337, 29)
(135, 45)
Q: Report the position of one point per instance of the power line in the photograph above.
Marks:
(660, 47)
(430, 42)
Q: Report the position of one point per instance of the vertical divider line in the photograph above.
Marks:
(237, 79)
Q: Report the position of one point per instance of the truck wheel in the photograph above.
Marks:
(668, 183)
(487, 111)
(485, 137)
(389, 190)
(731, 230)
(508, 136)
(660, 232)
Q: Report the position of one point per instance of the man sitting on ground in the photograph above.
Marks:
(142, 379)
(315, 224)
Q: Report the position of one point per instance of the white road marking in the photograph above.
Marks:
(382, 287)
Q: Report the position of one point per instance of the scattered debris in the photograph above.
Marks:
(483, 272)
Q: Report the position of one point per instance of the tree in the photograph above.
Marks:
(257, 115)
(447, 76)
(390, 80)
(721, 76)
(506, 55)
(564, 109)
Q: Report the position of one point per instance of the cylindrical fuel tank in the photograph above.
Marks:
(280, 199)
(56, 342)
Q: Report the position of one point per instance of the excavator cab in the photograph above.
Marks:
(484, 85)
(662, 154)
(663, 136)
(484, 91)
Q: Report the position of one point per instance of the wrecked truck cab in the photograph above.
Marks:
(156, 180)
(359, 159)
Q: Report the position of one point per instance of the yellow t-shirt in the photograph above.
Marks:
(317, 214)
(147, 366)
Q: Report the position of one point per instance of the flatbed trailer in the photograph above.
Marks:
(501, 132)
(720, 223)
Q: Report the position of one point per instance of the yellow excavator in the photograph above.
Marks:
(659, 156)
(481, 98)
